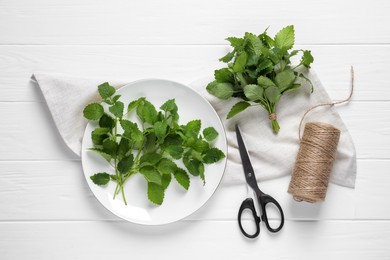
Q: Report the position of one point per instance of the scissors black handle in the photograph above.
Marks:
(248, 204)
(265, 199)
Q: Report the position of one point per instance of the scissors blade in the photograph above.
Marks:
(246, 162)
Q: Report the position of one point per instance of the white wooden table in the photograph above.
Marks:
(46, 208)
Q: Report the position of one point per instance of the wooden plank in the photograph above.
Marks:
(27, 131)
(193, 240)
(181, 63)
(199, 22)
(57, 190)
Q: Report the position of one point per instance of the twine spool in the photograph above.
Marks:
(310, 177)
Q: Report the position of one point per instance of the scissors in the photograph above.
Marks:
(262, 198)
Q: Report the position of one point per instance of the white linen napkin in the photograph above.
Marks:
(272, 155)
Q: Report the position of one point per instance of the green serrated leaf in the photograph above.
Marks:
(131, 130)
(166, 180)
(192, 165)
(235, 42)
(176, 151)
(254, 43)
(182, 178)
(155, 193)
(193, 126)
(125, 164)
(110, 147)
(224, 76)
(200, 146)
(166, 166)
(228, 57)
(240, 63)
(169, 105)
(147, 112)
(117, 109)
(93, 111)
(106, 156)
(105, 90)
(307, 59)
(134, 104)
(265, 82)
(210, 133)
(98, 135)
(237, 108)
(285, 79)
(273, 94)
(253, 92)
(107, 121)
(101, 178)
(285, 38)
(151, 174)
(123, 148)
(213, 155)
(151, 158)
(160, 129)
(220, 90)
(115, 98)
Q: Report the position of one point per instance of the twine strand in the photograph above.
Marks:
(330, 103)
(318, 146)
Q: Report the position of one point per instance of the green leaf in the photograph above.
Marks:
(176, 151)
(235, 42)
(166, 166)
(253, 92)
(255, 43)
(131, 130)
(107, 121)
(285, 38)
(98, 135)
(192, 166)
(224, 76)
(166, 180)
(93, 111)
(213, 155)
(220, 90)
(160, 129)
(151, 158)
(265, 82)
(115, 98)
(210, 133)
(237, 108)
(155, 193)
(147, 112)
(125, 164)
(124, 147)
(285, 79)
(240, 63)
(117, 109)
(106, 156)
(182, 178)
(263, 65)
(228, 57)
(194, 126)
(200, 145)
(105, 90)
(150, 143)
(273, 94)
(201, 173)
(151, 174)
(307, 59)
(110, 147)
(101, 178)
(169, 105)
(134, 104)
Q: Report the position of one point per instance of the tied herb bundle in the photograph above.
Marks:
(151, 149)
(259, 71)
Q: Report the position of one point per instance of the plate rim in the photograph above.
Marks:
(216, 186)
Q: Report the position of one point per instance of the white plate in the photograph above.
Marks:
(178, 203)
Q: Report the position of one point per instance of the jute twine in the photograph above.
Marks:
(311, 173)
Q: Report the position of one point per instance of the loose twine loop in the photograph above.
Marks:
(318, 146)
